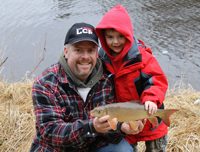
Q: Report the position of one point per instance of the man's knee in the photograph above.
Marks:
(157, 145)
(122, 146)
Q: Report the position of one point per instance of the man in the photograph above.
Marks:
(64, 94)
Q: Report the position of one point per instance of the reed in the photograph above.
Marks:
(41, 59)
(195, 74)
(189, 52)
(2, 51)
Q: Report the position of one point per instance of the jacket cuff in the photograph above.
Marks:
(119, 127)
(150, 98)
(89, 130)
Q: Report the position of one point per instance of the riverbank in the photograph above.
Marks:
(17, 119)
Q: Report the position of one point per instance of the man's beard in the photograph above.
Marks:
(78, 72)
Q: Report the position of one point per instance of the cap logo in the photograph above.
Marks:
(84, 30)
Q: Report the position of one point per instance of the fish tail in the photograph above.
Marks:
(166, 114)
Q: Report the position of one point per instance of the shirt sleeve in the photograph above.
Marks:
(50, 122)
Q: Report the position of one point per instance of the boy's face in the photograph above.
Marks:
(115, 41)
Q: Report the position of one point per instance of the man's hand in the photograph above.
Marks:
(101, 124)
(151, 106)
(126, 128)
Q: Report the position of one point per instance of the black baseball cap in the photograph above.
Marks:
(81, 32)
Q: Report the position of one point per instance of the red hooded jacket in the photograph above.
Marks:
(139, 76)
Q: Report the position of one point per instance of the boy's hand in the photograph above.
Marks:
(101, 124)
(151, 107)
(126, 127)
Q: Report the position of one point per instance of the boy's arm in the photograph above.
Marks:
(154, 80)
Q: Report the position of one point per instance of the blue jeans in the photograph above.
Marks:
(122, 146)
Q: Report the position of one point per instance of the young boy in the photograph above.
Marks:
(138, 75)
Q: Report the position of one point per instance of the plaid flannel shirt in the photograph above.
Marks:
(63, 120)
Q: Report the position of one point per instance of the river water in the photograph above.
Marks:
(170, 28)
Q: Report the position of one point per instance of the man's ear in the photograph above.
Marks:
(66, 52)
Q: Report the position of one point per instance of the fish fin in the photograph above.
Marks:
(134, 125)
(113, 123)
(166, 114)
(154, 121)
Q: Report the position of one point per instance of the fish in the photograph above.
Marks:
(131, 112)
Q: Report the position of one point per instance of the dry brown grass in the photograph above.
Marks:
(17, 119)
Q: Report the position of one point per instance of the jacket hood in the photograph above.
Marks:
(118, 19)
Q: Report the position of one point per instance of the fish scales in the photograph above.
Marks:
(131, 111)
(127, 111)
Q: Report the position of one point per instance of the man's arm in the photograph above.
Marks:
(54, 126)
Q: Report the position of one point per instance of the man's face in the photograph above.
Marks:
(81, 58)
